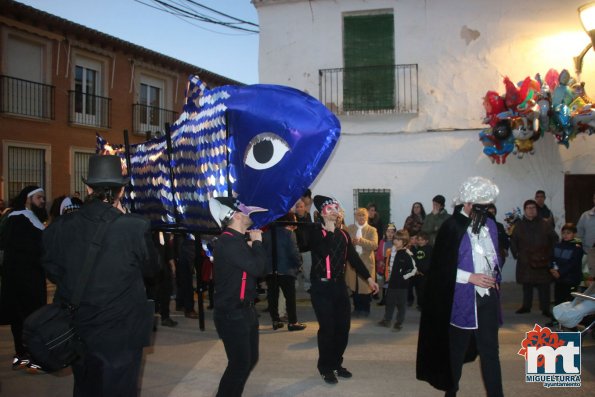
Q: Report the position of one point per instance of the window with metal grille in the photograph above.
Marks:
(26, 166)
(80, 168)
(369, 59)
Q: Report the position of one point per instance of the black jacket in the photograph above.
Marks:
(113, 312)
(340, 249)
(402, 265)
(233, 256)
(288, 256)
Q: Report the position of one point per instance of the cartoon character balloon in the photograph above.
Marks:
(264, 144)
(556, 104)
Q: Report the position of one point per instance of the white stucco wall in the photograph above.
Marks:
(463, 49)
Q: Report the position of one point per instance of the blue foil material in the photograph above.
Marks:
(264, 144)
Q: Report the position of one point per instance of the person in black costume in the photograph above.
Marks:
(23, 278)
(237, 264)
(461, 314)
(113, 319)
(331, 249)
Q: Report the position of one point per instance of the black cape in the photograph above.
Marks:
(433, 351)
(23, 279)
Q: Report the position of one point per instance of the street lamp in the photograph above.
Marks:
(586, 13)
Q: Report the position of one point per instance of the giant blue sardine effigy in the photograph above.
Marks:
(263, 144)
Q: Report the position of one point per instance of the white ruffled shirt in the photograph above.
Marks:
(484, 256)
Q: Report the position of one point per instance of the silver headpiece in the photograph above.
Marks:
(478, 190)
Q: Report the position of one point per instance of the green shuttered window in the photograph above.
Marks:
(369, 58)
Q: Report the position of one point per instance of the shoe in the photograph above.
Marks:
(277, 325)
(191, 314)
(523, 310)
(330, 378)
(296, 327)
(343, 373)
(384, 323)
(397, 327)
(168, 322)
(19, 362)
(34, 369)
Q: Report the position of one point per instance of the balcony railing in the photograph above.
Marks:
(91, 110)
(27, 98)
(370, 89)
(151, 118)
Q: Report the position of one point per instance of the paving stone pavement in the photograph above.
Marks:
(184, 361)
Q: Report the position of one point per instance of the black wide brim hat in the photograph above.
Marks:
(105, 171)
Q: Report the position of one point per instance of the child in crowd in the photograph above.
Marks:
(422, 252)
(384, 246)
(399, 268)
(566, 267)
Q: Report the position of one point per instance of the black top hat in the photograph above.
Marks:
(105, 171)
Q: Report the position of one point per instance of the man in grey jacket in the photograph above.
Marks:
(436, 218)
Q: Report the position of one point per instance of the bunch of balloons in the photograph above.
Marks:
(557, 104)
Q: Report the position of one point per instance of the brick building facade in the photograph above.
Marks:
(61, 82)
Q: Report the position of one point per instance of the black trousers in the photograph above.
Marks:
(238, 329)
(562, 292)
(361, 303)
(287, 285)
(330, 301)
(544, 296)
(418, 282)
(164, 289)
(185, 293)
(395, 298)
(486, 340)
(108, 374)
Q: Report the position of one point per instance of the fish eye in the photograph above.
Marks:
(265, 150)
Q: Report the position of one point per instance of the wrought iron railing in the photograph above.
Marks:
(370, 89)
(151, 118)
(27, 98)
(91, 110)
